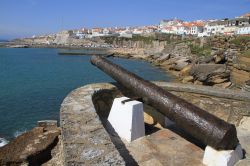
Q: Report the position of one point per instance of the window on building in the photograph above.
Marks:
(237, 23)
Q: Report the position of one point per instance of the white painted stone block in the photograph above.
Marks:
(213, 157)
(127, 119)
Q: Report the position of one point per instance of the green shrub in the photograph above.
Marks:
(239, 40)
(246, 53)
(147, 40)
(200, 51)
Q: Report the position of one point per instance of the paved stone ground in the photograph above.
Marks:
(164, 147)
(85, 141)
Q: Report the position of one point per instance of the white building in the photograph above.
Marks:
(80, 34)
(215, 28)
(168, 29)
(243, 30)
(181, 30)
(137, 31)
(196, 28)
(230, 30)
(97, 32)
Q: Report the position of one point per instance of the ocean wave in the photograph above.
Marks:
(17, 133)
(3, 142)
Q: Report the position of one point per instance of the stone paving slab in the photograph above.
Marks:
(164, 147)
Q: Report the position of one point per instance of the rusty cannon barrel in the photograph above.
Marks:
(203, 126)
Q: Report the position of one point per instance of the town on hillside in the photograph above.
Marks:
(201, 28)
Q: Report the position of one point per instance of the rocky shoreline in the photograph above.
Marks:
(224, 67)
(219, 61)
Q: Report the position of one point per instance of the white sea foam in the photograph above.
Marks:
(17, 133)
(3, 142)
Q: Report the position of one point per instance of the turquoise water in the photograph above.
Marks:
(34, 82)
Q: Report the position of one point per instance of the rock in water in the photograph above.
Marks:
(32, 147)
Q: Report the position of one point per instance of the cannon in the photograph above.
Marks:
(200, 124)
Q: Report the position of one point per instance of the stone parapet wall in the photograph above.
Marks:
(85, 140)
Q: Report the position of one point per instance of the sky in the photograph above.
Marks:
(24, 18)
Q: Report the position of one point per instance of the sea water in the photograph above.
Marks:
(34, 82)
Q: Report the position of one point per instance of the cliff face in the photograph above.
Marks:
(139, 41)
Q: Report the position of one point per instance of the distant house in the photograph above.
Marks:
(243, 30)
(97, 32)
(246, 15)
(84, 30)
(180, 30)
(106, 31)
(197, 28)
(80, 33)
(235, 26)
(239, 22)
(150, 29)
(138, 31)
(126, 34)
(170, 22)
(168, 29)
(215, 27)
(230, 30)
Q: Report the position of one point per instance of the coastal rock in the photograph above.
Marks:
(230, 55)
(210, 73)
(180, 49)
(223, 84)
(219, 80)
(239, 77)
(243, 132)
(242, 63)
(196, 82)
(32, 147)
(185, 71)
(205, 59)
(218, 59)
(246, 86)
(157, 55)
(188, 79)
(163, 58)
(180, 64)
(226, 84)
(47, 124)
